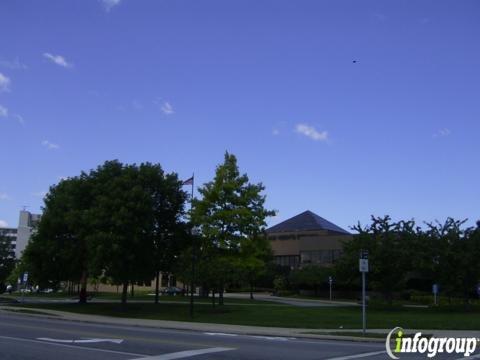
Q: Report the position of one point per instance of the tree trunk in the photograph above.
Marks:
(213, 297)
(157, 287)
(251, 290)
(132, 291)
(124, 293)
(83, 291)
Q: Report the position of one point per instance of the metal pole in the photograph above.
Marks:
(364, 313)
(330, 282)
(192, 282)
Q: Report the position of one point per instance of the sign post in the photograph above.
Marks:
(25, 280)
(363, 268)
(330, 282)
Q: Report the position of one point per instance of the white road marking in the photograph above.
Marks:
(358, 356)
(275, 338)
(70, 346)
(219, 334)
(82, 341)
(185, 354)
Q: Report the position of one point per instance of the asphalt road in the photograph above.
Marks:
(25, 337)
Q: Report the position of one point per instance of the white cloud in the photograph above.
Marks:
(4, 83)
(442, 133)
(109, 4)
(311, 132)
(19, 118)
(57, 59)
(166, 108)
(4, 196)
(49, 145)
(40, 194)
(13, 64)
(3, 223)
(275, 132)
(3, 111)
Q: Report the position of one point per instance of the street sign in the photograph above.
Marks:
(435, 289)
(363, 265)
(25, 277)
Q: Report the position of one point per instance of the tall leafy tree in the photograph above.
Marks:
(59, 249)
(122, 217)
(7, 259)
(230, 212)
(169, 232)
(389, 255)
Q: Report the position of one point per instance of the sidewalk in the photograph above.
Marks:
(229, 329)
(290, 300)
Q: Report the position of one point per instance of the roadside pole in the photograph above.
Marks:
(363, 268)
(330, 281)
(25, 280)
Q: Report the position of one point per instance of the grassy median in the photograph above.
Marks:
(379, 317)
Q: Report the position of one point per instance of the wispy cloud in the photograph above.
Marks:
(4, 83)
(311, 132)
(110, 4)
(12, 64)
(3, 223)
(40, 194)
(442, 133)
(19, 119)
(275, 132)
(4, 196)
(3, 111)
(58, 59)
(49, 145)
(166, 108)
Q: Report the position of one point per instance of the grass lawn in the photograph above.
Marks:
(449, 318)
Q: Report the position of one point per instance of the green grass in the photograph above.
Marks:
(29, 311)
(449, 318)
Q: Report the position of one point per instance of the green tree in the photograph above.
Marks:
(169, 232)
(7, 259)
(230, 212)
(310, 277)
(59, 249)
(389, 255)
(455, 257)
(122, 244)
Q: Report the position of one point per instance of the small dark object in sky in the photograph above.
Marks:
(354, 61)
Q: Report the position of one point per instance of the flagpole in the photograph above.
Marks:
(192, 282)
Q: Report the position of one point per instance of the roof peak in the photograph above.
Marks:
(306, 221)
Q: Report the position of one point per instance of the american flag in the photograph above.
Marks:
(188, 181)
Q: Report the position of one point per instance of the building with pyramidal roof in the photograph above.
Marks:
(307, 239)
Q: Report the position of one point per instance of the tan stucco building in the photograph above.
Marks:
(307, 239)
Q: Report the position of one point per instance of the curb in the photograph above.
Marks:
(210, 327)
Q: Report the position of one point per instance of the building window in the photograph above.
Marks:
(292, 261)
(320, 257)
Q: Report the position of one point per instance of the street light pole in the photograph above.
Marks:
(192, 237)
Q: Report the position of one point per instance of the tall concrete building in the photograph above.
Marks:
(26, 225)
(307, 239)
(11, 234)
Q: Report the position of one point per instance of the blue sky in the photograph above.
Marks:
(274, 82)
